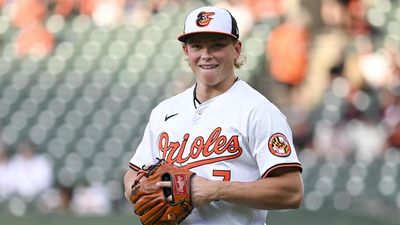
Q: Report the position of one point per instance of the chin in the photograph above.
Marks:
(211, 83)
(209, 79)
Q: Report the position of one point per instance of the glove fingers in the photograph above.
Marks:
(146, 203)
(140, 206)
(154, 214)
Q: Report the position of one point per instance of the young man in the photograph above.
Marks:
(235, 140)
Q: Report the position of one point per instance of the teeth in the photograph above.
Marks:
(208, 66)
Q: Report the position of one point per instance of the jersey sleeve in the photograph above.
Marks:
(146, 152)
(270, 140)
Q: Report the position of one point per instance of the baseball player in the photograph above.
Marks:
(235, 140)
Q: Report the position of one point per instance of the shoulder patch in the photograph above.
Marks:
(279, 145)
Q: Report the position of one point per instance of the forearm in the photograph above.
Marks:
(129, 179)
(267, 193)
(282, 192)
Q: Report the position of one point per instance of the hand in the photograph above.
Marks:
(165, 184)
(154, 201)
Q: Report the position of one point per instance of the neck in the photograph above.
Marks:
(206, 92)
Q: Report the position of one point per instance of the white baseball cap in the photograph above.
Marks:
(209, 19)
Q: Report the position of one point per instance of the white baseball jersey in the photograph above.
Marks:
(237, 136)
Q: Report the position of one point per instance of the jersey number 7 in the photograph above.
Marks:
(225, 174)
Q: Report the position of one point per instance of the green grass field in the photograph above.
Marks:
(295, 217)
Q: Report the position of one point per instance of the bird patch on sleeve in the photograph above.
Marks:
(279, 145)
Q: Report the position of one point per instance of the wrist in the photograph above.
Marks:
(218, 190)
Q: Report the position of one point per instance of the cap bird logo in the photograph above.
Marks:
(204, 18)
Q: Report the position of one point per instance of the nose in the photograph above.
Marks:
(206, 54)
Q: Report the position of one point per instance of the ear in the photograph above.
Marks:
(185, 49)
(238, 48)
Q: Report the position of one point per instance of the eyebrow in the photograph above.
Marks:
(194, 41)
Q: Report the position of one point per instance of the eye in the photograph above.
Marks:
(195, 46)
(219, 45)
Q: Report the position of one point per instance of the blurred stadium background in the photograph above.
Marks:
(78, 80)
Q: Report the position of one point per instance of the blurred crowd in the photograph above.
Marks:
(34, 37)
(27, 180)
(25, 173)
(338, 82)
(334, 74)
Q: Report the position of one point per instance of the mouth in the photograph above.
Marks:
(208, 67)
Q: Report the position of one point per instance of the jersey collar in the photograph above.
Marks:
(196, 101)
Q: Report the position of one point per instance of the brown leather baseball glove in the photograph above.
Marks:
(162, 206)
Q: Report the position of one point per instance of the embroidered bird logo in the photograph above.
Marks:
(204, 18)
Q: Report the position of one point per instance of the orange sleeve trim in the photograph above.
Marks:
(266, 174)
(134, 167)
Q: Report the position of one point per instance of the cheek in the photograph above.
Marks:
(233, 56)
(193, 57)
(190, 58)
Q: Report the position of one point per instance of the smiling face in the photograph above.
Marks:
(212, 58)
